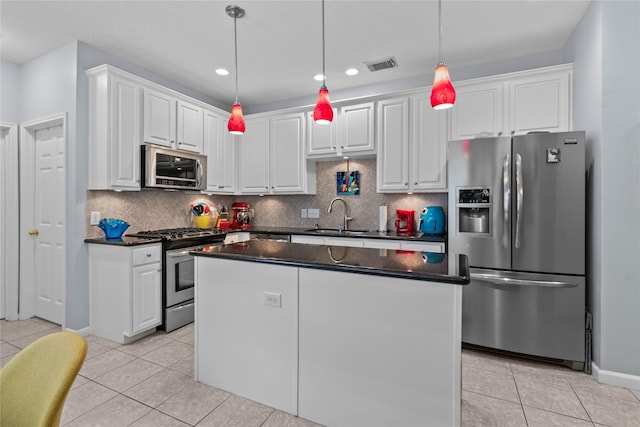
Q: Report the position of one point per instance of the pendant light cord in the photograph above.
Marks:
(440, 32)
(324, 76)
(235, 37)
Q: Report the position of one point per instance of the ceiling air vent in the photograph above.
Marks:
(382, 64)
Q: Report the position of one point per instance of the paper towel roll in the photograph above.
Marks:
(382, 226)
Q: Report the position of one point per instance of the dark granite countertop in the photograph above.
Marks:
(124, 241)
(389, 235)
(425, 266)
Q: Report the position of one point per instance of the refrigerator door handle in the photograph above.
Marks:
(507, 281)
(506, 198)
(519, 196)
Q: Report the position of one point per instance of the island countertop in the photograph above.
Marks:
(425, 266)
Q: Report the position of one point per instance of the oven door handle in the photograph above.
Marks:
(178, 254)
(183, 306)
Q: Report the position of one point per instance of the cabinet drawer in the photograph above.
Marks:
(146, 254)
(423, 246)
(381, 244)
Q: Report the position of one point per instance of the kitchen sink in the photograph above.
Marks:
(335, 231)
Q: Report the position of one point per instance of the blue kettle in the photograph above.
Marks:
(432, 220)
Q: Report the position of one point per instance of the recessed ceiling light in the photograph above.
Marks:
(222, 72)
(351, 71)
(318, 77)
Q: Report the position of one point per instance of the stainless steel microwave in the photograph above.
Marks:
(175, 169)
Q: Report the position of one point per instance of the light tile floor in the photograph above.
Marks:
(150, 383)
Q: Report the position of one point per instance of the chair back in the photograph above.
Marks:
(34, 384)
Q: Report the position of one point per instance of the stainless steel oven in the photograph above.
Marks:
(179, 276)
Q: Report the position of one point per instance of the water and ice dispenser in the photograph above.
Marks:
(474, 210)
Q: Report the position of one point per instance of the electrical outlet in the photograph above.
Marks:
(273, 300)
(313, 213)
(95, 218)
(303, 213)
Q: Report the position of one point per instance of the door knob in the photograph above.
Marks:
(33, 232)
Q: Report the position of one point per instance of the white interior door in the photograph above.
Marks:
(42, 185)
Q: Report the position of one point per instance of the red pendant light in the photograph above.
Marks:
(323, 113)
(236, 124)
(443, 95)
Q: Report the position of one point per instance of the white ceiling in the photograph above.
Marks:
(280, 42)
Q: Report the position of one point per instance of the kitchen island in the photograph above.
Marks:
(336, 335)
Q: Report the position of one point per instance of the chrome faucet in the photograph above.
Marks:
(345, 224)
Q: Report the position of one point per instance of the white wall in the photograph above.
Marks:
(605, 49)
(9, 100)
(620, 156)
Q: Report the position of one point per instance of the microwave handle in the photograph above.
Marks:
(200, 174)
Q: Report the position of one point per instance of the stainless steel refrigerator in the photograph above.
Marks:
(517, 209)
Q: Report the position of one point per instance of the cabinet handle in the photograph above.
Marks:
(406, 183)
(512, 132)
(148, 255)
(415, 183)
(499, 133)
(220, 186)
(159, 270)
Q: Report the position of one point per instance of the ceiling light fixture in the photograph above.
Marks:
(222, 72)
(236, 124)
(443, 95)
(323, 113)
(351, 71)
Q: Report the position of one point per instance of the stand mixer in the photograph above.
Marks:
(241, 216)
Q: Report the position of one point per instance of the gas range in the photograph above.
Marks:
(179, 233)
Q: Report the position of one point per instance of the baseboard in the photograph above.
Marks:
(82, 332)
(615, 378)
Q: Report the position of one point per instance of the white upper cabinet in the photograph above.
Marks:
(159, 118)
(479, 110)
(322, 140)
(411, 145)
(288, 168)
(253, 157)
(540, 103)
(393, 145)
(220, 149)
(428, 146)
(271, 156)
(356, 129)
(172, 122)
(190, 127)
(114, 130)
(513, 104)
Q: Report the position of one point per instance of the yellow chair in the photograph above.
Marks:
(35, 382)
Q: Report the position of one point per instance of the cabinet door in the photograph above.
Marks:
(190, 127)
(356, 129)
(146, 297)
(540, 103)
(253, 157)
(288, 163)
(159, 118)
(220, 148)
(428, 147)
(393, 145)
(322, 140)
(479, 110)
(124, 157)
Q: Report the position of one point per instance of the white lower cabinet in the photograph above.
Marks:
(406, 245)
(243, 345)
(126, 290)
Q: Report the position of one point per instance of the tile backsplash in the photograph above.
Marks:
(155, 209)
